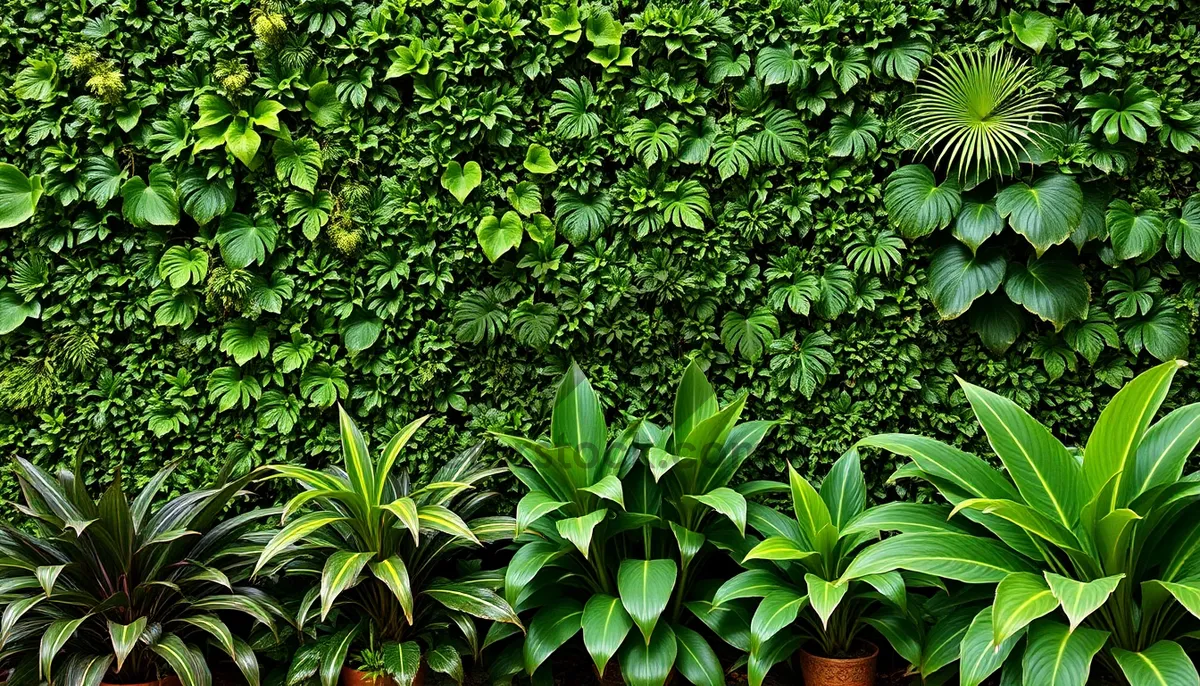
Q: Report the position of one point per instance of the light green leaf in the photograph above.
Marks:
(1080, 599)
(498, 235)
(578, 530)
(1163, 664)
(1020, 598)
(19, 195)
(539, 161)
(605, 625)
(154, 203)
(645, 587)
(824, 596)
(1057, 656)
(460, 180)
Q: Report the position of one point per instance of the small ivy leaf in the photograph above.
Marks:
(460, 180)
(917, 204)
(957, 277)
(19, 195)
(1034, 29)
(154, 203)
(498, 235)
(1050, 287)
(244, 241)
(525, 198)
(1045, 213)
(182, 265)
(749, 336)
(538, 160)
(1134, 234)
(14, 310)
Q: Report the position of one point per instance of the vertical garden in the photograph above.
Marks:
(661, 340)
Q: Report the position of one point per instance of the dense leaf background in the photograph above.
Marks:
(209, 272)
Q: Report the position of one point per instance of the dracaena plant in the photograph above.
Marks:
(794, 575)
(1094, 552)
(381, 548)
(119, 589)
(611, 535)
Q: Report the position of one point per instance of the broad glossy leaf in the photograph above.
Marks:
(969, 559)
(777, 610)
(696, 660)
(650, 663)
(578, 530)
(551, 627)
(824, 596)
(1112, 447)
(1164, 449)
(979, 657)
(1020, 599)
(778, 548)
(1057, 656)
(1045, 213)
(605, 626)
(402, 660)
(958, 277)
(917, 204)
(474, 600)
(695, 400)
(645, 587)
(976, 223)
(752, 583)
(533, 506)
(726, 501)
(19, 195)
(608, 488)
(341, 571)
(539, 161)
(1050, 287)
(811, 512)
(245, 241)
(1080, 599)
(1047, 476)
(498, 235)
(1163, 664)
(152, 202)
(125, 637)
(578, 421)
(526, 563)
(1134, 233)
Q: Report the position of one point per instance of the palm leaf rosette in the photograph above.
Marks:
(611, 538)
(380, 551)
(127, 590)
(979, 112)
(1093, 552)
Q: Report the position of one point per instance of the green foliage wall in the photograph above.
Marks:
(252, 211)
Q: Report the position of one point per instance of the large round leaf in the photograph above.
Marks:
(917, 204)
(1050, 287)
(244, 241)
(1134, 233)
(18, 195)
(156, 202)
(1045, 213)
(957, 277)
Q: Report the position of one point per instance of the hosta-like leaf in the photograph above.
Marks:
(19, 195)
(1163, 664)
(1134, 233)
(957, 277)
(605, 625)
(1057, 656)
(1045, 213)
(152, 202)
(645, 587)
(1080, 599)
(1050, 287)
(1020, 599)
(917, 204)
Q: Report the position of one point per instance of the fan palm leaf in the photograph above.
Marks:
(978, 111)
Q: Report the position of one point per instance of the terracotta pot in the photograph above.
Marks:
(165, 681)
(828, 671)
(353, 677)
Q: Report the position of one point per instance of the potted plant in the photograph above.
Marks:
(612, 535)
(125, 591)
(1092, 552)
(380, 553)
(794, 573)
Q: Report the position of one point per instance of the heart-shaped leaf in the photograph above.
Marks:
(957, 277)
(1052, 288)
(1045, 213)
(19, 195)
(498, 235)
(539, 161)
(460, 180)
(156, 202)
(1134, 233)
(244, 241)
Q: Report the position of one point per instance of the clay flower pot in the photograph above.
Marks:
(165, 681)
(353, 677)
(829, 671)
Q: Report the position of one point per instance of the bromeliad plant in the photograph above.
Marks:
(381, 548)
(1095, 551)
(796, 570)
(611, 535)
(125, 590)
